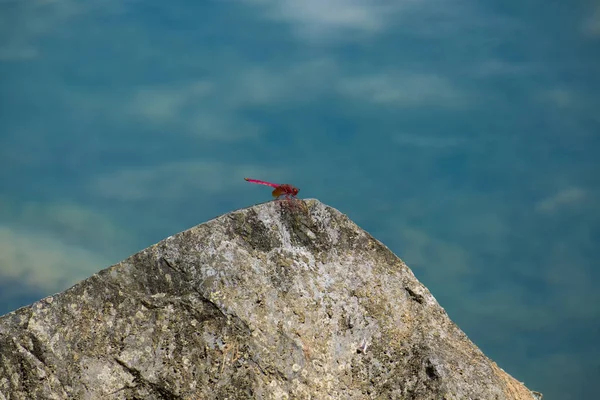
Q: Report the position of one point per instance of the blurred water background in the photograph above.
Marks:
(463, 134)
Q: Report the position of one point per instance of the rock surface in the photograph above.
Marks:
(277, 301)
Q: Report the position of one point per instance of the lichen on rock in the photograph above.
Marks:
(275, 301)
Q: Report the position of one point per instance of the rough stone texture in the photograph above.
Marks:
(280, 300)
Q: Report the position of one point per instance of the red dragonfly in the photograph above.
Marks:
(283, 189)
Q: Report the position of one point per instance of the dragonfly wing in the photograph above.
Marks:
(278, 191)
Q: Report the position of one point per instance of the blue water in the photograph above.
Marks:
(463, 134)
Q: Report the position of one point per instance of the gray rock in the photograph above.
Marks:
(278, 301)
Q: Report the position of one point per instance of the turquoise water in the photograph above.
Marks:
(462, 134)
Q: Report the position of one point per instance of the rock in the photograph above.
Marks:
(277, 301)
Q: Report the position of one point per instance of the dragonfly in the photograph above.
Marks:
(283, 189)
